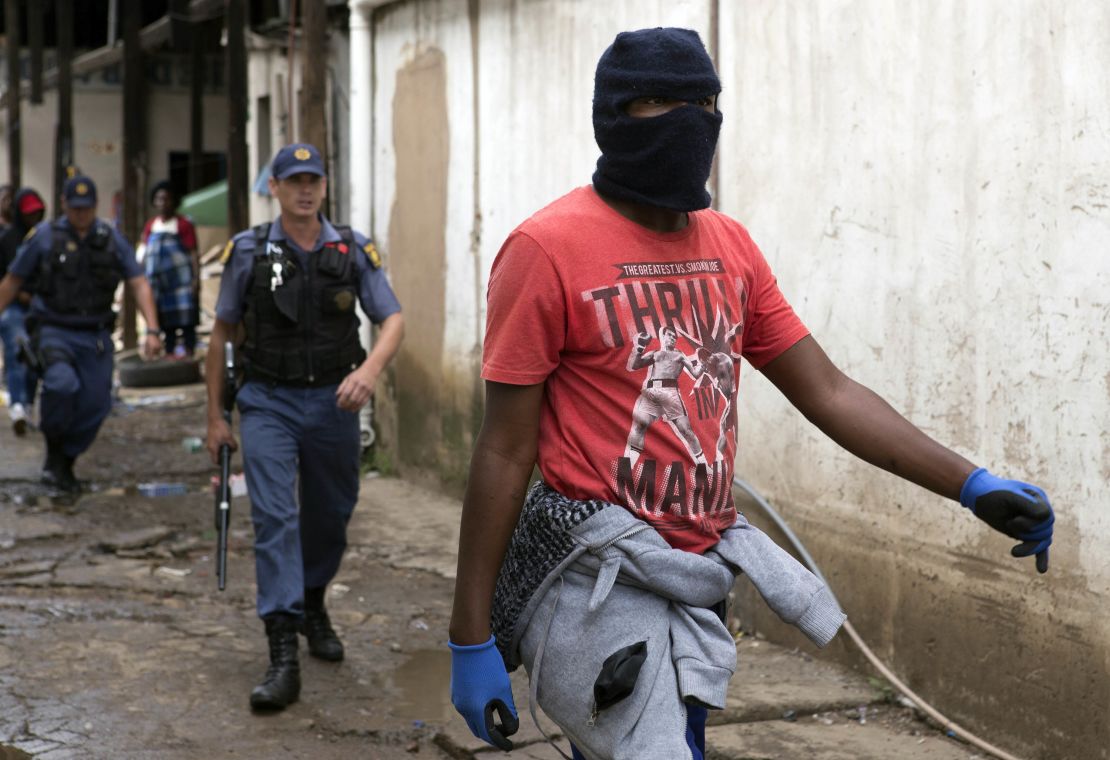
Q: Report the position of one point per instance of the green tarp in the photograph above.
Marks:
(207, 206)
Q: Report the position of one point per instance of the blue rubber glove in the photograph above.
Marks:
(479, 688)
(1019, 510)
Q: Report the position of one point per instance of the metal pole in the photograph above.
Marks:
(197, 47)
(360, 182)
(237, 181)
(113, 21)
(290, 98)
(15, 143)
(63, 135)
(35, 43)
(314, 81)
(134, 145)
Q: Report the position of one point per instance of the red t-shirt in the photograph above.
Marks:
(186, 232)
(638, 337)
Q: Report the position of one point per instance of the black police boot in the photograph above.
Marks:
(67, 481)
(50, 468)
(57, 471)
(282, 684)
(322, 641)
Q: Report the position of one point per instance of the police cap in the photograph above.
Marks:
(79, 192)
(297, 158)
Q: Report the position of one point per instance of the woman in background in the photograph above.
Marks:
(168, 250)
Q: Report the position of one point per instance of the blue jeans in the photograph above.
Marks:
(695, 733)
(300, 456)
(20, 380)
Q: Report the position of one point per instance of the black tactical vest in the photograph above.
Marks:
(301, 324)
(78, 278)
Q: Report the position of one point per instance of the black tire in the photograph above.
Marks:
(136, 373)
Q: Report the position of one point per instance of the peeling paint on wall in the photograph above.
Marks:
(418, 251)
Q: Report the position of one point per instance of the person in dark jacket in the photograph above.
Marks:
(28, 209)
(7, 196)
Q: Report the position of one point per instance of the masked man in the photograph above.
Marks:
(585, 575)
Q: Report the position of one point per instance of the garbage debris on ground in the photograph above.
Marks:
(238, 484)
(155, 400)
(163, 489)
(192, 444)
(172, 572)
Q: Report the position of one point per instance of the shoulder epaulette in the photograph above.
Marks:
(372, 254)
(240, 237)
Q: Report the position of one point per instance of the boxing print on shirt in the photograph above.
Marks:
(683, 337)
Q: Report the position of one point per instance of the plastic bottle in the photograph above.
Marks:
(163, 489)
(192, 444)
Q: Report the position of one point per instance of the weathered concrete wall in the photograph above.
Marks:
(98, 123)
(930, 182)
(517, 136)
(97, 130)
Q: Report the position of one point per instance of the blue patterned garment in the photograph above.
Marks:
(169, 269)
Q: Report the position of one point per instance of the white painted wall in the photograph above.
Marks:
(97, 134)
(930, 182)
(268, 73)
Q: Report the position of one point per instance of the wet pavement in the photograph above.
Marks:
(115, 643)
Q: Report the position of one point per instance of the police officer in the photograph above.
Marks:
(77, 261)
(292, 285)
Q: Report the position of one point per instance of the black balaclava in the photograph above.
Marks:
(663, 160)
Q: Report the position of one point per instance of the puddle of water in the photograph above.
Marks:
(424, 685)
(11, 753)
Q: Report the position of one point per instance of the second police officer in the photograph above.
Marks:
(292, 285)
(77, 261)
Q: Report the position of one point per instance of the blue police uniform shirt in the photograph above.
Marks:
(28, 259)
(374, 293)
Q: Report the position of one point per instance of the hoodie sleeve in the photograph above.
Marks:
(795, 594)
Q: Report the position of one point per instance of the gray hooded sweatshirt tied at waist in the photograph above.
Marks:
(621, 589)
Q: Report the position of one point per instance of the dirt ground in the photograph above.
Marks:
(114, 641)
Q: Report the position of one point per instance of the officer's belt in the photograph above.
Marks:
(77, 324)
(327, 370)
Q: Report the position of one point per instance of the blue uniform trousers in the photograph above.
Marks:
(76, 387)
(289, 432)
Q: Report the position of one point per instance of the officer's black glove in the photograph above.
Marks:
(1020, 510)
